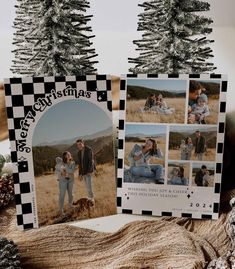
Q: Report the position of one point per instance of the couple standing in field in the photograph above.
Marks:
(65, 168)
(187, 146)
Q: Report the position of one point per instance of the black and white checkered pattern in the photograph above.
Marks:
(219, 147)
(21, 94)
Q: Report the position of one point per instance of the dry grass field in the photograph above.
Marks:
(213, 105)
(104, 188)
(161, 144)
(133, 113)
(208, 156)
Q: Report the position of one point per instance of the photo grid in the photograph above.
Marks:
(172, 144)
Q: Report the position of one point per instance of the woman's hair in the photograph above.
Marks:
(187, 139)
(181, 172)
(153, 150)
(151, 95)
(174, 169)
(64, 156)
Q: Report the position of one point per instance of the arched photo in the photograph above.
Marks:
(178, 173)
(73, 163)
(145, 147)
(192, 143)
(203, 101)
(156, 100)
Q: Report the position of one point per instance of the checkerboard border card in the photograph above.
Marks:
(28, 100)
(168, 123)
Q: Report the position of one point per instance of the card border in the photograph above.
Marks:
(219, 146)
(26, 213)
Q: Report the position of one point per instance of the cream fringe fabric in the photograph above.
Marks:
(165, 243)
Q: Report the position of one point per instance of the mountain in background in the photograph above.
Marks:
(101, 144)
(192, 129)
(176, 137)
(140, 92)
(144, 135)
(70, 141)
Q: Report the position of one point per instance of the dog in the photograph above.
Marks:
(85, 204)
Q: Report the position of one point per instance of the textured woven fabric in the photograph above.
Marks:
(163, 243)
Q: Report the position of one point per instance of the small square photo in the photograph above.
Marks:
(203, 174)
(203, 101)
(178, 173)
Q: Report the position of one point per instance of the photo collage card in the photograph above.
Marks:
(171, 135)
(62, 148)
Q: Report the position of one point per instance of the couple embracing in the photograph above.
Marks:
(187, 146)
(65, 168)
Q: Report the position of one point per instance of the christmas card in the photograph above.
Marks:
(170, 149)
(61, 137)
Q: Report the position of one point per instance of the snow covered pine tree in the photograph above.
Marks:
(25, 13)
(174, 38)
(52, 38)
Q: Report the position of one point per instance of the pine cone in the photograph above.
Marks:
(6, 190)
(9, 256)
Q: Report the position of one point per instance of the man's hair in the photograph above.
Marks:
(194, 86)
(203, 166)
(80, 140)
(197, 131)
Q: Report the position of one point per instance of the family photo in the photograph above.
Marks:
(178, 173)
(74, 163)
(145, 154)
(203, 174)
(203, 102)
(192, 143)
(156, 100)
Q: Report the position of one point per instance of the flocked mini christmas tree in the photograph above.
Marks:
(56, 40)
(22, 40)
(174, 38)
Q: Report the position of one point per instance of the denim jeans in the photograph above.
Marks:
(65, 185)
(153, 171)
(88, 183)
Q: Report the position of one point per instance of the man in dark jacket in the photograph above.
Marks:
(200, 145)
(199, 175)
(86, 165)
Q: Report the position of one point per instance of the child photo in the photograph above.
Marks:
(203, 174)
(73, 160)
(192, 143)
(156, 100)
(145, 154)
(178, 173)
(203, 102)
